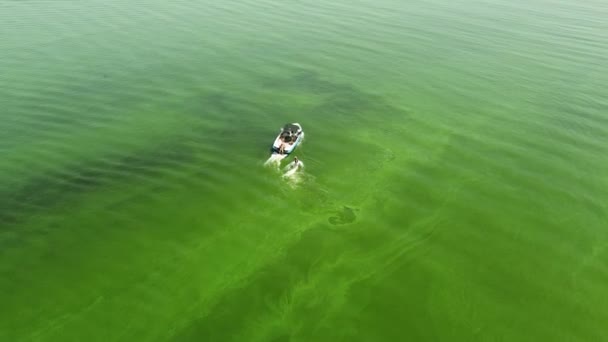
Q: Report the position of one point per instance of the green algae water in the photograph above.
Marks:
(455, 184)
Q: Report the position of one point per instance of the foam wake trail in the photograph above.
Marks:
(292, 168)
(293, 173)
(275, 159)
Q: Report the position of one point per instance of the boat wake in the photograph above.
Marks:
(292, 169)
(293, 173)
(275, 160)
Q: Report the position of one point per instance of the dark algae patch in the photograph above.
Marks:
(51, 189)
(344, 216)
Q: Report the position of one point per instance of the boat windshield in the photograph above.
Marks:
(291, 128)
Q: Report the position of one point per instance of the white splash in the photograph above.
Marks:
(293, 173)
(275, 160)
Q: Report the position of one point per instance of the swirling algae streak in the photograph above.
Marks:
(455, 186)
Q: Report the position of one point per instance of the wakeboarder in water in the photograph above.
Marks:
(293, 167)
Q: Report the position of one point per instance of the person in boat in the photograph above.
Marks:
(282, 148)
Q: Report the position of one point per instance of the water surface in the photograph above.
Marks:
(455, 184)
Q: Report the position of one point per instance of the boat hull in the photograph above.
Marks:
(289, 147)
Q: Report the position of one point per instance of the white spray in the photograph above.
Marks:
(275, 159)
(293, 174)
